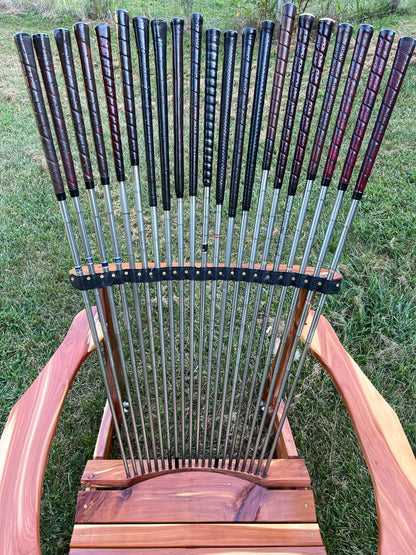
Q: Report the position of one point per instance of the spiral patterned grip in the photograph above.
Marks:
(159, 32)
(141, 32)
(24, 47)
(342, 42)
(384, 44)
(63, 43)
(196, 40)
(248, 40)
(82, 35)
(177, 25)
(364, 36)
(230, 43)
(266, 38)
(321, 48)
(211, 68)
(304, 30)
(285, 36)
(401, 62)
(43, 51)
(124, 51)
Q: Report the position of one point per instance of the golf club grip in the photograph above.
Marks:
(141, 31)
(82, 35)
(24, 47)
(384, 44)
(248, 40)
(364, 36)
(123, 38)
(102, 33)
(301, 50)
(159, 33)
(63, 43)
(177, 25)
(401, 62)
(342, 42)
(43, 51)
(196, 40)
(318, 61)
(211, 68)
(266, 38)
(230, 43)
(285, 36)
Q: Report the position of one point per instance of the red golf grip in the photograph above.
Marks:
(196, 41)
(177, 25)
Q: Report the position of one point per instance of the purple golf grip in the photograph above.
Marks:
(384, 44)
(266, 38)
(196, 41)
(401, 62)
(342, 42)
(211, 69)
(248, 40)
(124, 51)
(82, 35)
(23, 42)
(159, 32)
(177, 25)
(230, 43)
(285, 36)
(44, 55)
(141, 31)
(304, 30)
(364, 36)
(321, 48)
(63, 43)
(102, 33)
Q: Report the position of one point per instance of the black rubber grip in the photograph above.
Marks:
(325, 27)
(102, 32)
(177, 25)
(230, 44)
(196, 41)
(401, 62)
(24, 47)
(248, 40)
(266, 38)
(141, 31)
(364, 36)
(283, 48)
(301, 50)
(383, 48)
(63, 43)
(211, 69)
(82, 35)
(339, 55)
(43, 51)
(124, 51)
(159, 32)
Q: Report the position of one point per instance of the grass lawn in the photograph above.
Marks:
(374, 315)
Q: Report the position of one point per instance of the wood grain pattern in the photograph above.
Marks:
(104, 442)
(387, 452)
(204, 551)
(27, 437)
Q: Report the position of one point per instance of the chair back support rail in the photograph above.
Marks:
(202, 297)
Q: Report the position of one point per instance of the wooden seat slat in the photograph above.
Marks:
(204, 551)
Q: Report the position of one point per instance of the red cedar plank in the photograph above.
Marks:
(283, 473)
(204, 551)
(195, 535)
(195, 497)
(104, 441)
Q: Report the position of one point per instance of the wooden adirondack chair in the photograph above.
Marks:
(198, 386)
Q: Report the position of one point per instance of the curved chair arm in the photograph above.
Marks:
(26, 440)
(385, 447)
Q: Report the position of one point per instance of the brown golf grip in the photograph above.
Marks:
(177, 25)
(285, 36)
(342, 42)
(44, 55)
(24, 47)
(82, 35)
(401, 62)
(102, 32)
(384, 44)
(196, 41)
